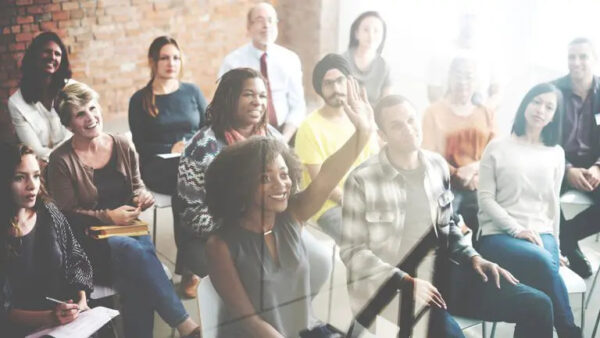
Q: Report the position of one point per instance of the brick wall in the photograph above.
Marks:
(108, 40)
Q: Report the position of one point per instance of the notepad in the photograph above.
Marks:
(168, 155)
(137, 228)
(84, 326)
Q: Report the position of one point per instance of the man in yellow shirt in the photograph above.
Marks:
(324, 131)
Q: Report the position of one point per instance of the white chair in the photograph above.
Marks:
(575, 284)
(467, 323)
(209, 304)
(161, 201)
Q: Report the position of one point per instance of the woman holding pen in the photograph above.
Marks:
(40, 259)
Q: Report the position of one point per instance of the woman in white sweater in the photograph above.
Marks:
(519, 213)
(45, 70)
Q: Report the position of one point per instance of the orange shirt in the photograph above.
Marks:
(460, 139)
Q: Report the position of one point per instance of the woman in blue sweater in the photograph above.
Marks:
(162, 115)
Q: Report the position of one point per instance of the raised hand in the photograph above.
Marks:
(357, 106)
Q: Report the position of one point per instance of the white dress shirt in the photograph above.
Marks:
(285, 78)
(36, 127)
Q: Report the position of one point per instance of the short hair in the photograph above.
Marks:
(233, 177)
(583, 40)
(31, 85)
(251, 10)
(354, 41)
(148, 99)
(386, 102)
(12, 154)
(221, 111)
(552, 132)
(73, 95)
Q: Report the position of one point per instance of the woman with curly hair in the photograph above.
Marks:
(257, 260)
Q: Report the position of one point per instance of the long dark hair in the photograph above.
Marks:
(148, 99)
(232, 178)
(354, 41)
(12, 155)
(31, 86)
(552, 132)
(221, 111)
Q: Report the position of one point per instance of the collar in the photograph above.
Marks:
(565, 83)
(388, 169)
(259, 53)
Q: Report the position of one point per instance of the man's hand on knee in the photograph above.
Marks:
(486, 268)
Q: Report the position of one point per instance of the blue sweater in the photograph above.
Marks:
(180, 115)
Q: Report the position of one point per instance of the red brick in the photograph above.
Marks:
(6, 30)
(49, 25)
(16, 46)
(76, 14)
(24, 19)
(61, 15)
(67, 23)
(37, 9)
(67, 6)
(24, 37)
(51, 7)
(24, 2)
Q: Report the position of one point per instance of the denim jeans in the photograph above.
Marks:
(143, 286)
(469, 296)
(535, 266)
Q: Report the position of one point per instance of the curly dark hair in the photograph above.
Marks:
(220, 112)
(233, 177)
(12, 154)
(31, 85)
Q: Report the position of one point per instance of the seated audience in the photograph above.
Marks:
(324, 132)
(45, 70)
(459, 130)
(279, 66)
(162, 116)
(95, 176)
(519, 208)
(398, 209)
(367, 38)
(257, 260)
(39, 256)
(237, 111)
(581, 142)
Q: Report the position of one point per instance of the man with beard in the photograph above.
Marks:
(324, 131)
(278, 65)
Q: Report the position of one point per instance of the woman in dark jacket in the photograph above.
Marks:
(39, 256)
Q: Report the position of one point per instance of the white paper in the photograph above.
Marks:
(168, 155)
(84, 326)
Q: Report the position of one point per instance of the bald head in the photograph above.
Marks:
(262, 25)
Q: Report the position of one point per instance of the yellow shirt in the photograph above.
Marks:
(318, 138)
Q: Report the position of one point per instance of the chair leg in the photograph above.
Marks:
(582, 310)
(592, 288)
(331, 278)
(154, 227)
(596, 325)
(493, 330)
(483, 330)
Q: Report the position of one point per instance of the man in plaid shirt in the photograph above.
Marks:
(391, 204)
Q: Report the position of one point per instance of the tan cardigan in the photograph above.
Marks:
(71, 183)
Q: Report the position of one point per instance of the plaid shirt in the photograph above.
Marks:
(374, 209)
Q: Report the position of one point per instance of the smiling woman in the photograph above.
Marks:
(45, 70)
(94, 179)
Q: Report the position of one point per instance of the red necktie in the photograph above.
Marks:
(270, 108)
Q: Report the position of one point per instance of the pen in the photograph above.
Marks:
(58, 301)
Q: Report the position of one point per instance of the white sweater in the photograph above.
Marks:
(519, 187)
